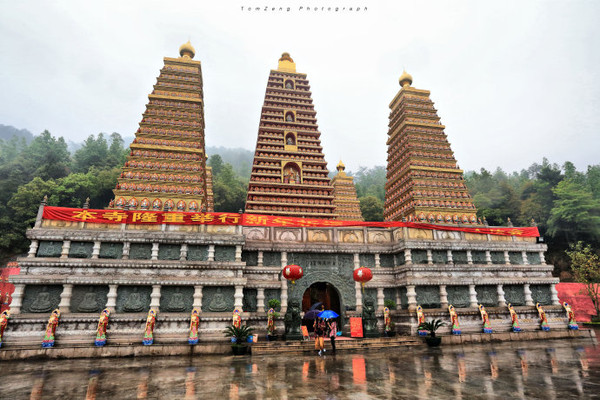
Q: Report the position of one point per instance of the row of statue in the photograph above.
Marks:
(486, 325)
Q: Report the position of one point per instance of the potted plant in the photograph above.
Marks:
(389, 303)
(431, 327)
(239, 338)
(391, 332)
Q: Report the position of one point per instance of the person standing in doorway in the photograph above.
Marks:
(332, 327)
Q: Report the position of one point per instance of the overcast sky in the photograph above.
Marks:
(513, 81)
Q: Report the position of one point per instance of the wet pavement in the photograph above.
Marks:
(523, 370)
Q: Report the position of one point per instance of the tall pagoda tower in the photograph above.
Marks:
(424, 182)
(166, 168)
(346, 202)
(289, 174)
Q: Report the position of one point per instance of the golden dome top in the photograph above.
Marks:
(187, 50)
(286, 64)
(286, 56)
(341, 166)
(405, 79)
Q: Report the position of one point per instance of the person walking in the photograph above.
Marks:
(332, 327)
(320, 327)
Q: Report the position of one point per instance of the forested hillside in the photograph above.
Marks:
(564, 202)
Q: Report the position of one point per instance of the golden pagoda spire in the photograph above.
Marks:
(186, 50)
(406, 79)
(341, 167)
(286, 63)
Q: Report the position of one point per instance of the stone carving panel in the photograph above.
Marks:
(534, 258)
(140, 251)
(458, 296)
(288, 235)
(273, 294)
(447, 235)
(111, 250)
(515, 257)
(48, 248)
(176, 298)
(541, 294)
(499, 238)
(197, 252)
(514, 294)
(257, 234)
(133, 299)
(497, 257)
(398, 234)
(225, 253)
(221, 229)
(440, 256)
(319, 235)
(367, 260)
(487, 295)
(249, 301)
(169, 252)
(419, 256)
(428, 296)
(478, 257)
(41, 299)
(336, 269)
(420, 234)
(475, 236)
(459, 257)
(386, 261)
(272, 259)
(403, 297)
(250, 258)
(89, 298)
(218, 298)
(351, 236)
(400, 260)
(81, 249)
(379, 237)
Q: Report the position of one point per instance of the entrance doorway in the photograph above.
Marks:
(324, 293)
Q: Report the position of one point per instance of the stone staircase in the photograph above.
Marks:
(308, 346)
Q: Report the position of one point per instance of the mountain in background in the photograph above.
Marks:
(7, 132)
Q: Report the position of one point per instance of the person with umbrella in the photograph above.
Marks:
(329, 316)
(319, 326)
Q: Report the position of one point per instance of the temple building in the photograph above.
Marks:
(346, 202)
(289, 173)
(424, 182)
(166, 168)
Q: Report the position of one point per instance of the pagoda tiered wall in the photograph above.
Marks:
(347, 206)
(289, 173)
(424, 182)
(166, 168)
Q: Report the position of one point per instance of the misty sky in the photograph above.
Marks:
(513, 81)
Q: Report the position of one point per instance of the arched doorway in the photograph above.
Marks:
(325, 293)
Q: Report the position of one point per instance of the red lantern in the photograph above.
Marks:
(363, 275)
(293, 273)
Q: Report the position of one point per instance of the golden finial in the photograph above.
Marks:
(406, 79)
(341, 166)
(286, 63)
(187, 50)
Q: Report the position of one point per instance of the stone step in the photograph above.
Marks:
(308, 346)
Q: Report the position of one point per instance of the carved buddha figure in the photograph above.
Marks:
(218, 302)
(89, 303)
(134, 302)
(176, 303)
(42, 302)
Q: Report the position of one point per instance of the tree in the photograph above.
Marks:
(229, 192)
(371, 208)
(47, 157)
(93, 153)
(585, 265)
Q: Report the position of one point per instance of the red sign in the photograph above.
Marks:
(114, 216)
(356, 329)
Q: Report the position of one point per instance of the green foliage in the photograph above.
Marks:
(370, 182)
(585, 265)
(371, 208)
(241, 334)
(431, 326)
(389, 303)
(229, 191)
(576, 213)
(274, 304)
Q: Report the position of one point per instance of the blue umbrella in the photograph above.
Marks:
(328, 314)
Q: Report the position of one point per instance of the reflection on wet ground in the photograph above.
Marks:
(526, 370)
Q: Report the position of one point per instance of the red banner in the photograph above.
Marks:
(356, 329)
(205, 218)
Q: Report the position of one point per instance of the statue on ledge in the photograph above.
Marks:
(194, 325)
(48, 340)
(3, 322)
(292, 321)
(102, 327)
(368, 318)
(149, 331)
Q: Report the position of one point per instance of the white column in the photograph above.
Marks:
(260, 259)
(443, 297)
(96, 249)
(469, 257)
(472, 297)
(211, 252)
(17, 299)
(126, 247)
(33, 248)
(501, 299)
(154, 251)
(65, 298)
(554, 294)
(380, 299)
(155, 297)
(238, 297)
(506, 258)
(450, 260)
(356, 261)
(284, 289)
(183, 252)
(407, 256)
(238, 253)
(65, 249)
(429, 257)
(412, 297)
(377, 263)
(488, 257)
(357, 285)
(542, 258)
(284, 260)
(528, 299)
(260, 300)
(398, 300)
(525, 260)
(111, 298)
(198, 297)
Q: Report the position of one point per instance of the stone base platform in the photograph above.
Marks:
(307, 346)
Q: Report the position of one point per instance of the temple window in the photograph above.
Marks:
(290, 117)
(289, 84)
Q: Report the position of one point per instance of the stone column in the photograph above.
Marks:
(554, 295)
(398, 299)
(449, 255)
(183, 252)
(33, 248)
(528, 299)
(506, 258)
(65, 298)
(469, 257)
(357, 285)
(154, 255)
(155, 297)
(284, 260)
(501, 299)
(380, 299)
(65, 249)
(542, 258)
(96, 249)
(126, 247)
(488, 257)
(412, 297)
(198, 297)
(443, 297)
(407, 256)
(472, 297)
(377, 264)
(260, 259)
(356, 261)
(284, 295)
(238, 297)
(111, 298)
(429, 257)
(525, 260)
(17, 299)
(260, 300)
(211, 252)
(238, 253)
